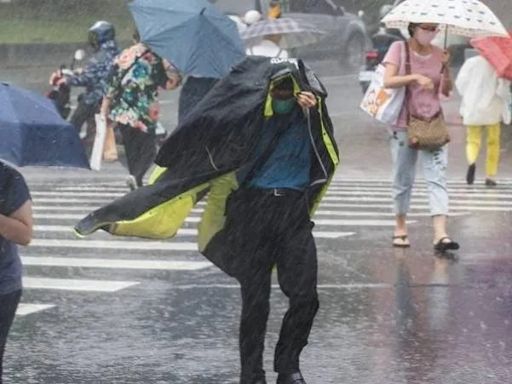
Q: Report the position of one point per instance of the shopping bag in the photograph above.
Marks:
(383, 104)
(99, 142)
(110, 150)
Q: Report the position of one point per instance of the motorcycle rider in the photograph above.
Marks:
(94, 76)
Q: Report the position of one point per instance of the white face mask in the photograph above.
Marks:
(425, 37)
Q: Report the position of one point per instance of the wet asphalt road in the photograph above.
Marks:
(387, 316)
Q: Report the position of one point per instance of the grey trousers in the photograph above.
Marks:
(434, 166)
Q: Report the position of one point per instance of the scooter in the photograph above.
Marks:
(60, 93)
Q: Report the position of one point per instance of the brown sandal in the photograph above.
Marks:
(401, 241)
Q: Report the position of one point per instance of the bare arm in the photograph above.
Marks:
(393, 80)
(446, 82)
(18, 226)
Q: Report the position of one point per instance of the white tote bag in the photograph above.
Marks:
(383, 104)
(99, 142)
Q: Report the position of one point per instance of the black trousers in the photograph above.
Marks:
(140, 149)
(84, 113)
(266, 231)
(8, 305)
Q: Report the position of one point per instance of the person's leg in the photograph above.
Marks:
(253, 323)
(493, 151)
(404, 172)
(434, 170)
(83, 112)
(8, 305)
(145, 153)
(251, 253)
(297, 275)
(473, 143)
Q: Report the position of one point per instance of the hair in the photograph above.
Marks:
(411, 27)
(285, 84)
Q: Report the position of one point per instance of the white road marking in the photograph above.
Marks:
(387, 199)
(58, 216)
(43, 208)
(276, 286)
(359, 223)
(115, 244)
(416, 193)
(25, 309)
(115, 263)
(76, 285)
(186, 231)
(414, 206)
(44, 200)
(75, 194)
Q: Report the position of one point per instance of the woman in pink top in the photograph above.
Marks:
(430, 76)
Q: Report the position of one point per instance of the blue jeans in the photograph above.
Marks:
(404, 172)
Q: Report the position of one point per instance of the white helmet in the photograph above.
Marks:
(252, 16)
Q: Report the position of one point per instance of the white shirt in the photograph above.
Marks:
(485, 97)
(267, 48)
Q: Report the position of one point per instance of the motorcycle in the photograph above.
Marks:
(381, 42)
(60, 93)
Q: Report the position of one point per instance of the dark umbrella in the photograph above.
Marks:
(33, 133)
(192, 34)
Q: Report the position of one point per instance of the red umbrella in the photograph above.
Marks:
(498, 52)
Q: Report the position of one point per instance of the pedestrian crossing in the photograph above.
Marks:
(350, 207)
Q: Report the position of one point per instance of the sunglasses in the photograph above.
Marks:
(430, 29)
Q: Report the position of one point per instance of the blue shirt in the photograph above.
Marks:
(288, 166)
(13, 194)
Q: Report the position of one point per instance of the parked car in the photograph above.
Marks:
(346, 39)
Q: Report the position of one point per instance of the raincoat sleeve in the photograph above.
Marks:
(87, 76)
(503, 91)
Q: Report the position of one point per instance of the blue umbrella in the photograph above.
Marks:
(33, 133)
(192, 34)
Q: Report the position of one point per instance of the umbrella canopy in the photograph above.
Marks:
(498, 52)
(460, 17)
(197, 38)
(33, 133)
(293, 33)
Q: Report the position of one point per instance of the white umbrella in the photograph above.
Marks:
(294, 33)
(469, 18)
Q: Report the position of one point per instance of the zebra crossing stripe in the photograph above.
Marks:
(363, 199)
(76, 285)
(419, 193)
(115, 244)
(25, 309)
(187, 231)
(42, 261)
(418, 207)
(359, 223)
(75, 194)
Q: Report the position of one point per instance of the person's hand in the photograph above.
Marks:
(55, 77)
(306, 99)
(445, 58)
(425, 82)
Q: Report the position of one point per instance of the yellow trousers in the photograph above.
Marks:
(474, 141)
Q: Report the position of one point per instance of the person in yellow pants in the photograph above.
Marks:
(485, 104)
(473, 144)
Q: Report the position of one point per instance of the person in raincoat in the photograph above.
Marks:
(485, 105)
(95, 74)
(15, 228)
(261, 146)
(131, 101)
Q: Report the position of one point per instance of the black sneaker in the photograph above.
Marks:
(470, 175)
(490, 182)
(293, 378)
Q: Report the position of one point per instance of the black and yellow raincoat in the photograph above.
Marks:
(203, 155)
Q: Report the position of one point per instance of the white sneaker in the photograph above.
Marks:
(131, 182)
